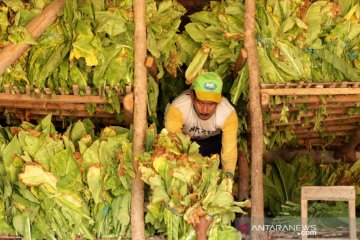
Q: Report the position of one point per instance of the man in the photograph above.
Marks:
(208, 117)
(210, 120)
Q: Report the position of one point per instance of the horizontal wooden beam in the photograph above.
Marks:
(303, 84)
(330, 120)
(301, 130)
(310, 91)
(53, 99)
(66, 113)
(278, 108)
(265, 99)
(328, 193)
(339, 141)
(57, 118)
(324, 134)
(47, 106)
(276, 116)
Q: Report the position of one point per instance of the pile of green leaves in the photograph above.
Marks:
(283, 180)
(217, 31)
(313, 41)
(186, 186)
(310, 41)
(59, 186)
(91, 44)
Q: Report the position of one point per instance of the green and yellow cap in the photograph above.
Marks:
(208, 87)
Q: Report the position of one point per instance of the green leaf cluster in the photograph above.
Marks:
(90, 44)
(185, 186)
(283, 181)
(59, 186)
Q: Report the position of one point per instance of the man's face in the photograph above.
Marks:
(204, 109)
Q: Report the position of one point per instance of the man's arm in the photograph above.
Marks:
(174, 119)
(229, 143)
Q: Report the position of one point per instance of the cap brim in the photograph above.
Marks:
(210, 97)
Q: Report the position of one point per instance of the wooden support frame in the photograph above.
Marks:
(328, 193)
(35, 103)
(140, 119)
(306, 101)
(257, 134)
(310, 91)
(265, 99)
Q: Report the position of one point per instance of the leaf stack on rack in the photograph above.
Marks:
(59, 186)
(90, 46)
(309, 41)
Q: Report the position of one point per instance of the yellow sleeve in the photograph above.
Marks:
(229, 143)
(174, 119)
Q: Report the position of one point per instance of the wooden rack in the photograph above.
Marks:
(34, 104)
(336, 97)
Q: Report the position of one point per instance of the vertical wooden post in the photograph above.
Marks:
(304, 215)
(244, 175)
(140, 119)
(36, 27)
(257, 144)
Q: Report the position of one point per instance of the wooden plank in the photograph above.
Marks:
(56, 118)
(352, 218)
(325, 134)
(276, 116)
(56, 99)
(336, 119)
(60, 112)
(47, 106)
(351, 124)
(327, 238)
(320, 99)
(304, 215)
(312, 91)
(328, 193)
(278, 108)
(320, 142)
(303, 130)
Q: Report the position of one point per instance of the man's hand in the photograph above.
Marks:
(202, 227)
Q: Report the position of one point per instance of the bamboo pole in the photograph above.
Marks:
(36, 27)
(257, 144)
(140, 119)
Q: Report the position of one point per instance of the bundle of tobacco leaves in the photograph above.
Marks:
(186, 186)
